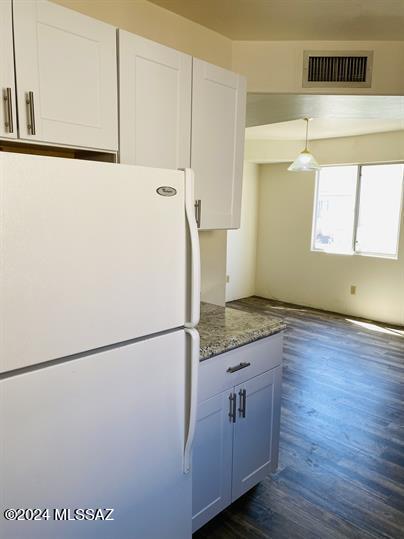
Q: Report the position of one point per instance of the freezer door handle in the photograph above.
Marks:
(195, 250)
(193, 397)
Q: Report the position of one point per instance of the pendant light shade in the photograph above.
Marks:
(305, 161)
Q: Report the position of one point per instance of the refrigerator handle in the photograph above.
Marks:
(195, 250)
(193, 397)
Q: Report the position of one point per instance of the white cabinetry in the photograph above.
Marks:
(66, 76)
(212, 453)
(155, 103)
(175, 111)
(157, 85)
(255, 436)
(217, 150)
(8, 119)
(237, 434)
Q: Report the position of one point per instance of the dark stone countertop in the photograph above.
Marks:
(222, 329)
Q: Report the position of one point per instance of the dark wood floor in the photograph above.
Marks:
(341, 470)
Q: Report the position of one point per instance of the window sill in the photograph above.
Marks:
(369, 255)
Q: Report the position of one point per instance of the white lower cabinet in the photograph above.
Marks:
(237, 433)
(255, 431)
(212, 461)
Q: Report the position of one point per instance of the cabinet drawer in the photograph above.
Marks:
(262, 355)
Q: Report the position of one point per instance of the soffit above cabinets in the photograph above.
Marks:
(322, 128)
(273, 20)
(263, 109)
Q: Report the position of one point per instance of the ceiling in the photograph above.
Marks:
(322, 128)
(272, 20)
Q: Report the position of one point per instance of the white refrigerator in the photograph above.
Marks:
(99, 298)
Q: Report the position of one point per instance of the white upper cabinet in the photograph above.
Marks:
(175, 111)
(155, 103)
(66, 76)
(217, 149)
(8, 118)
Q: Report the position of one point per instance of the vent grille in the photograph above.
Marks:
(339, 69)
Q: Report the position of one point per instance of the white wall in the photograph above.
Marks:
(288, 270)
(242, 243)
(213, 266)
(277, 66)
(152, 21)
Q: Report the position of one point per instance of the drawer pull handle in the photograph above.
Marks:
(233, 406)
(243, 401)
(238, 367)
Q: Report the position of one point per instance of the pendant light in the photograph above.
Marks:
(305, 161)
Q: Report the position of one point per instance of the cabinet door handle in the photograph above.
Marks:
(31, 113)
(9, 124)
(243, 401)
(242, 365)
(198, 210)
(233, 406)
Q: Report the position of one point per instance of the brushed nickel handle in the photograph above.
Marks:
(198, 208)
(242, 365)
(243, 401)
(31, 113)
(233, 406)
(9, 124)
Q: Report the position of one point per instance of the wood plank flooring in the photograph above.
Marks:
(341, 469)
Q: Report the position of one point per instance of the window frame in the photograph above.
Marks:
(354, 250)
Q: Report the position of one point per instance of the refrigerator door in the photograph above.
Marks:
(91, 254)
(103, 431)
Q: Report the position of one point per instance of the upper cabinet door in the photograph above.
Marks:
(155, 103)
(66, 76)
(8, 116)
(217, 152)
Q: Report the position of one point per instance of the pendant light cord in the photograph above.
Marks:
(307, 133)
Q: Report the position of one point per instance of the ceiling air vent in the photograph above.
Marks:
(337, 69)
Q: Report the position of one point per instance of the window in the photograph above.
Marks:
(358, 210)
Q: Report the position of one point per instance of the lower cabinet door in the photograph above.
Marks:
(256, 430)
(212, 459)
